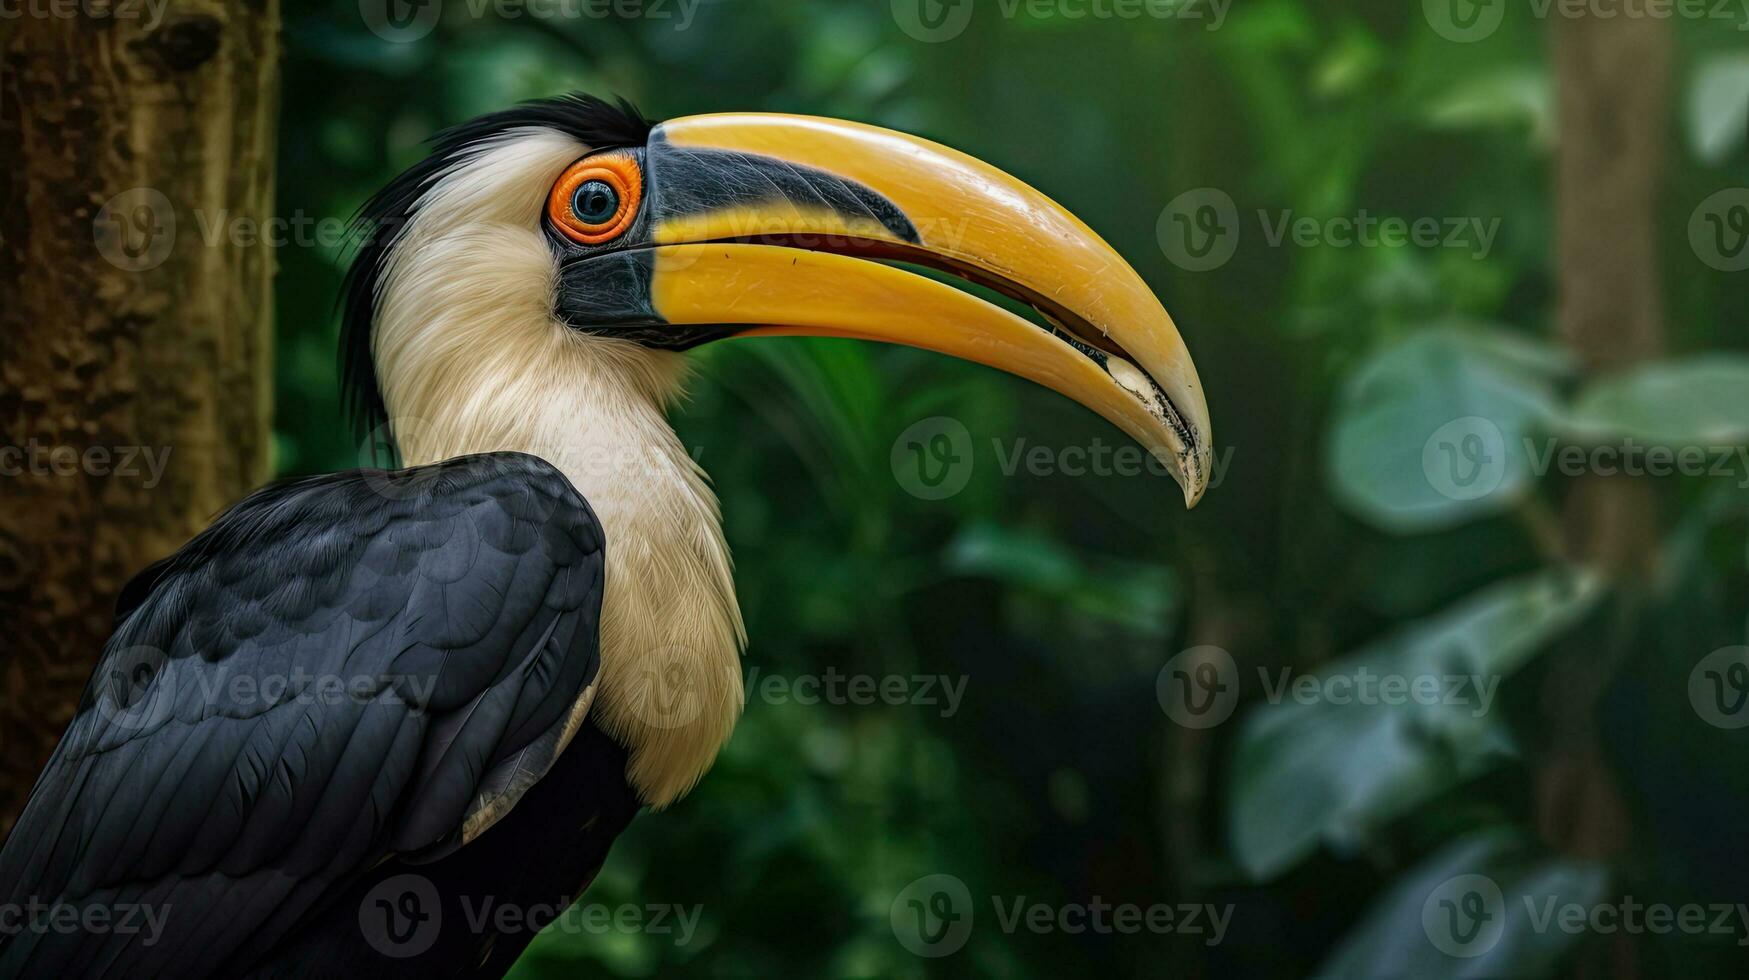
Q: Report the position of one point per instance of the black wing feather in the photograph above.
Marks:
(324, 678)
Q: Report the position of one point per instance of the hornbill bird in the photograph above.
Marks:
(358, 706)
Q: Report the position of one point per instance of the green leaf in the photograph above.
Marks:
(1313, 768)
(1433, 432)
(1701, 401)
(1718, 107)
(1019, 557)
(1515, 96)
(1352, 61)
(1423, 926)
(1141, 596)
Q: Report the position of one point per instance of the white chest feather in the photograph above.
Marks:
(471, 360)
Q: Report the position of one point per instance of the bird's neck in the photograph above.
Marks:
(670, 685)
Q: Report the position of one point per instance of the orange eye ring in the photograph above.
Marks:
(611, 180)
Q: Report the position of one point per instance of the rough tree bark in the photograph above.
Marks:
(1613, 85)
(134, 330)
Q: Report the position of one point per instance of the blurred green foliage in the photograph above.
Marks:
(1058, 598)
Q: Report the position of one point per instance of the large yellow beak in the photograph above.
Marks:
(781, 223)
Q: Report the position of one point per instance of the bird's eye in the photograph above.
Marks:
(595, 202)
(596, 199)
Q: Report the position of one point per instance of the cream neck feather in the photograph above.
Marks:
(471, 359)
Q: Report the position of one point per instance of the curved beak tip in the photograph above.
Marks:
(1194, 486)
(796, 254)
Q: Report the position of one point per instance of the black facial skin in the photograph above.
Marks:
(605, 289)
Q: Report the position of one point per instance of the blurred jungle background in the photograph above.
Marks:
(1449, 270)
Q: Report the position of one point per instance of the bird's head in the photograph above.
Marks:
(531, 285)
(607, 235)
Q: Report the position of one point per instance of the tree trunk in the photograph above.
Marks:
(1613, 90)
(134, 385)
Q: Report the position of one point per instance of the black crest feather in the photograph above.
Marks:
(595, 122)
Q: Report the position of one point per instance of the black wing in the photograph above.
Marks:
(340, 669)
